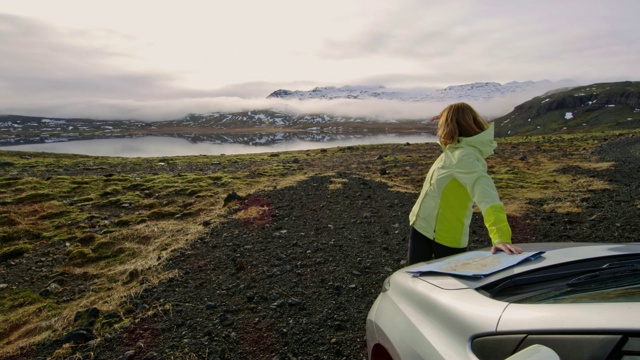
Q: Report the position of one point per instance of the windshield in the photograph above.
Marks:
(596, 280)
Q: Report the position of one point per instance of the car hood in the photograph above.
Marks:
(554, 253)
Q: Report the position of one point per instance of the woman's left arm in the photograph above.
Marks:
(483, 191)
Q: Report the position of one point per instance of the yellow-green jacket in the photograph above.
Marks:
(457, 179)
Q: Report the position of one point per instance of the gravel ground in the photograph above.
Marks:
(296, 280)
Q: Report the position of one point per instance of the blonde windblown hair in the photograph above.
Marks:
(459, 120)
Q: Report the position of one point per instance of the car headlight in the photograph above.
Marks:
(386, 284)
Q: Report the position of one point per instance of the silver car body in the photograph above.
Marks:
(437, 316)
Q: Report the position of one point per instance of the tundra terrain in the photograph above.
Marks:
(269, 256)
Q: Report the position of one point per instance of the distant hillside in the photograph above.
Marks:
(262, 118)
(245, 127)
(597, 107)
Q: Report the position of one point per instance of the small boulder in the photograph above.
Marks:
(87, 317)
(233, 197)
(79, 335)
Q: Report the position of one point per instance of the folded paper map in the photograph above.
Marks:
(475, 263)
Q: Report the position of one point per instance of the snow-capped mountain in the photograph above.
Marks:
(466, 92)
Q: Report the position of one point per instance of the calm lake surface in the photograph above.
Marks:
(153, 146)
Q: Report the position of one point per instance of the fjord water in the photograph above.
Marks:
(153, 146)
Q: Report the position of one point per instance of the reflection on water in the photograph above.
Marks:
(152, 146)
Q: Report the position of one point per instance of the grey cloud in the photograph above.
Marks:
(412, 29)
(50, 71)
(495, 40)
(42, 62)
(31, 47)
(60, 73)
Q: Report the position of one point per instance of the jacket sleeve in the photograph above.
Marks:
(472, 173)
(495, 219)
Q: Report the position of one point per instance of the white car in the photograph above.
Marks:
(581, 300)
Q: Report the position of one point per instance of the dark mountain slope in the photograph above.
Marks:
(597, 107)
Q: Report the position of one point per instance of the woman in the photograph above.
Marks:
(440, 218)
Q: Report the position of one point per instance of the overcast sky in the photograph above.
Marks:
(158, 59)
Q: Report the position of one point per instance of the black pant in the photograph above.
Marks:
(421, 248)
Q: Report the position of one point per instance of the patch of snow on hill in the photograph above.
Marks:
(52, 122)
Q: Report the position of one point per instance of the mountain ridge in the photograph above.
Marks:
(466, 92)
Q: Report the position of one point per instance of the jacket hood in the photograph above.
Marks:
(484, 141)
